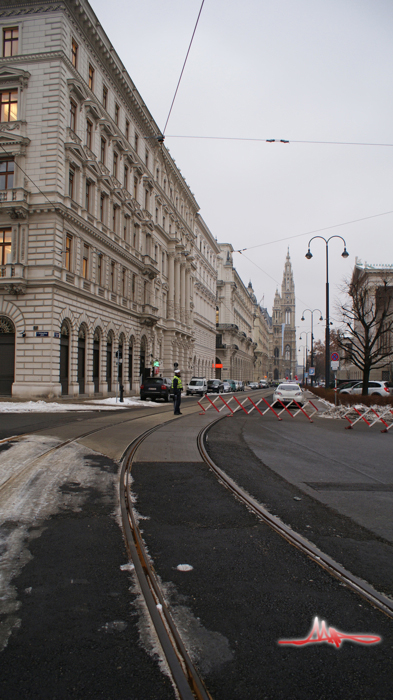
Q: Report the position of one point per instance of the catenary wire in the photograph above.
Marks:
(259, 140)
(184, 65)
(317, 230)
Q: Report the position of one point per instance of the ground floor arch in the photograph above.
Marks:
(7, 354)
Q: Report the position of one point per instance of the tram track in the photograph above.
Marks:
(353, 582)
(15, 479)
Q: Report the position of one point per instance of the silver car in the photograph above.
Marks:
(374, 388)
(287, 393)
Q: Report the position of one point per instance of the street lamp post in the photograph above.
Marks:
(344, 254)
(306, 333)
(304, 360)
(312, 333)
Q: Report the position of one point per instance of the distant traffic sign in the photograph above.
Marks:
(335, 357)
(311, 371)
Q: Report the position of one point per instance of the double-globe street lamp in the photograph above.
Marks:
(344, 254)
(312, 333)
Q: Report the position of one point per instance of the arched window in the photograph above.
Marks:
(276, 352)
(288, 317)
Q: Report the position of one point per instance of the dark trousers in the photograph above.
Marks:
(176, 402)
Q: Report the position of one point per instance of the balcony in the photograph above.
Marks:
(149, 267)
(14, 203)
(149, 315)
(12, 279)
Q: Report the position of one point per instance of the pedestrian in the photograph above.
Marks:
(177, 387)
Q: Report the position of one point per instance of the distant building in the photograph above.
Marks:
(283, 339)
(375, 277)
(251, 344)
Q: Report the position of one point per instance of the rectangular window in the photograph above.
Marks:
(68, 249)
(9, 106)
(88, 195)
(89, 133)
(7, 174)
(123, 282)
(99, 269)
(74, 53)
(103, 151)
(115, 159)
(112, 280)
(135, 237)
(147, 200)
(91, 77)
(104, 97)
(102, 208)
(135, 188)
(125, 177)
(85, 261)
(5, 245)
(163, 222)
(117, 110)
(72, 115)
(136, 142)
(133, 288)
(147, 158)
(71, 182)
(114, 218)
(10, 42)
(127, 129)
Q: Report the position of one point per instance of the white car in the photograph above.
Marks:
(197, 386)
(287, 393)
(374, 388)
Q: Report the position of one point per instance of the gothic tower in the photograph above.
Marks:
(284, 328)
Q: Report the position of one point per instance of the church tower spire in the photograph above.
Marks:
(284, 326)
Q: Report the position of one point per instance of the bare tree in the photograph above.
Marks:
(368, 319)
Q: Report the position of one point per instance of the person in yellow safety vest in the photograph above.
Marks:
(177, 387)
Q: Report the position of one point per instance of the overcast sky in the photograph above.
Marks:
(312, 70)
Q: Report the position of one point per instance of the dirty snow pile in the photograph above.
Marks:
(340, 411)
(53, 407)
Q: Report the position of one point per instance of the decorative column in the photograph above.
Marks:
(171, 284)
(73, 386)
(182, 291)
(103, 384)
(89, 384)
(177, 289)
(188, 294)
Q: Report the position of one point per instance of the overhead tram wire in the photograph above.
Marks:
(259, 140)
(317, 230)
(182, 70)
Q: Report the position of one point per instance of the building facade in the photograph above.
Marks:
(106, 267)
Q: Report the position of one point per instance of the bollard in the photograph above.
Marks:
(121, 393)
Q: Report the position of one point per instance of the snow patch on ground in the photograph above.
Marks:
(47, 407)
(30, 492)
(133, 401)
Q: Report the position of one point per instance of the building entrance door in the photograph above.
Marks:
(7, 356)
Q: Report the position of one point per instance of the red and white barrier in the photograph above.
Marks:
(255, 406)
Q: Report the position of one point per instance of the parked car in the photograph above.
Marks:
(215, 386)
(155, 388)
(232, 384)
(263, 384)
(227, 387)
(197, 386)
(253, 385)
(239, 385)
(383, 388)
(287, 393)
(347, 385)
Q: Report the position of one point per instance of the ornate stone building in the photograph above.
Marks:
(251, 344)
(283, 338)
(103, 253)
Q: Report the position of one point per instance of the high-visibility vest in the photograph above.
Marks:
(179, 384)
